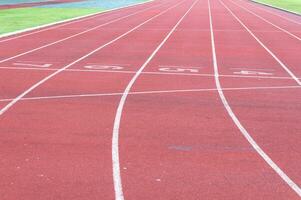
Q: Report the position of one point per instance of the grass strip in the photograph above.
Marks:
(291, 5)
(22, 18)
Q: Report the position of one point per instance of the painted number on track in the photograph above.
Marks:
(32, 64)
(103, 67)
(254, 72)
(177, 69)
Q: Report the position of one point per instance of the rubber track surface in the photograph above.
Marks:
(177, 138)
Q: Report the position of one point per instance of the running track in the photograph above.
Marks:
(165, 100)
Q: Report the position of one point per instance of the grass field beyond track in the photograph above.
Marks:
(21, 18)
(291, 5)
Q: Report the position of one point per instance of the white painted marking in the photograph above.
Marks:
(115, 138)
(58, 24)
(103, 67)
(27, 64)
(151, 73)
(182, 67)
(253, 69)
(178, 69)
(15, 100)
(267, 49)
(151, 92)
(75, 35)
(265, 20)
(245, 133)
(246, 72)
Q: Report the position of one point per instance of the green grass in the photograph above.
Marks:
(292, 5)
(21, 18)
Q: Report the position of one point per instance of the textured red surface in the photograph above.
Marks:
(175, 142)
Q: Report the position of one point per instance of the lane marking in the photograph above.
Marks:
(64, 22)
(115, 138)
(255, 69)
(33, 64)
(15, 100)
(178, 69)
(149, 72)
(181, 67)
(152, 92)
(267, 21)
(77, 34)
(267, 49)
(103, 67)
(245, 133)
(249, 71)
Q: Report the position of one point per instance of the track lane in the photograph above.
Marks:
(255, 111)
(260, 22)
(183, 146)
(280, 23)
(57, 150)
(255, 59)
(80, 130)
(65, 25)
(271, 40)
(62, 55)
(25, 46)
(175, 153)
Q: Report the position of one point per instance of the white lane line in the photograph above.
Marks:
(55, 25)
(115, 137)
(5, 108)
(267, 49)
(267, 21)
(149, 72)
(273, 12)
(70, 96)
(75, 35)
(245, 133)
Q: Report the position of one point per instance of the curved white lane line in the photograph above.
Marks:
(115, 138)
(245, 133)
(77, 34)
(58, 24)
(267, 21)
(15, 100)
(70, 96)
(266, 48)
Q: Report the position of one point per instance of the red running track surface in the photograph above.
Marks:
(61, 89)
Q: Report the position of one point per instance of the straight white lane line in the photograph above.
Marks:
(115, 138)
(267, 49)
(75, 35)
(245, 133)
(265, 20)
(271, 12)
(10, 104)
(55, 25)
(71, 96)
